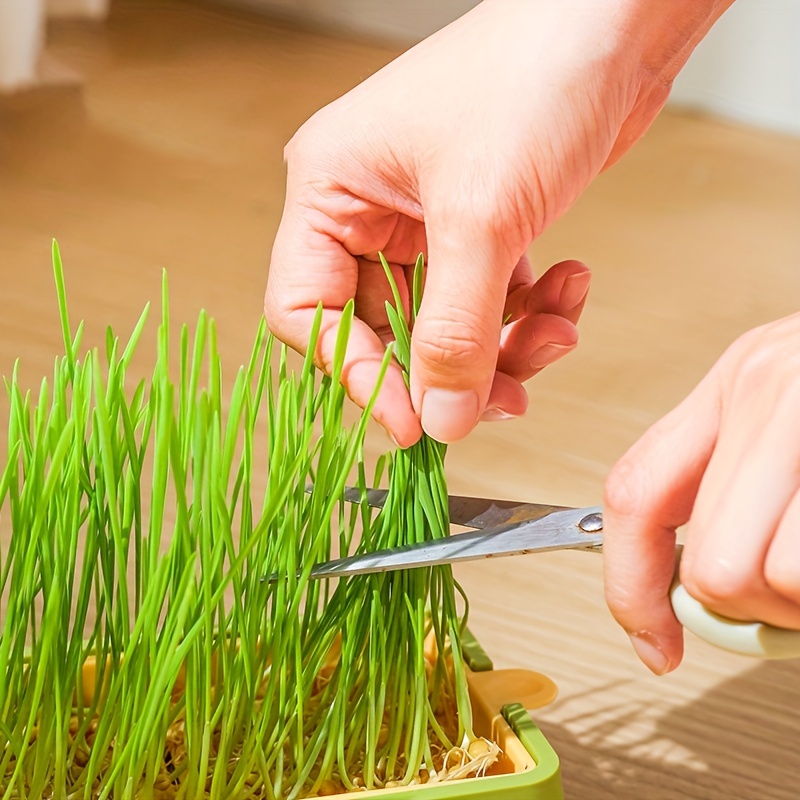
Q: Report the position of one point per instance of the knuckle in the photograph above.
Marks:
(627, 487)
(471, 212)
(761, 349)
(315, 146)
(277, 313)
(303, 140)
(717, 583)
(754, 360)
(782, 576)
(489, 200)
(454, 344)
(272, 312)
(765, 363)
(297, 147)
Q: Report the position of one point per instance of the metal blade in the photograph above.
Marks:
(471, 512)
(558, 531)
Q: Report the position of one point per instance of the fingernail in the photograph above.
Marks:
(646, 646)
(547, 354)
(496, 415)
(574, 290)
(448, 414)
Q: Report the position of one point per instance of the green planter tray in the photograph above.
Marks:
(529, 767)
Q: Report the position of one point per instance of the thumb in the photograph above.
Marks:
(456, 336)
(649, 494)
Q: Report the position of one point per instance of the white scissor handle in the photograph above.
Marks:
(745, 638)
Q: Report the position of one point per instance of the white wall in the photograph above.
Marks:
(22, 35)
(21, 38)
(748, 67)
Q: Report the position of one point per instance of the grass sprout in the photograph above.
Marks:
(142, 655)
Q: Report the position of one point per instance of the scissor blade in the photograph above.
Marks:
(558, 531)
(471, 512)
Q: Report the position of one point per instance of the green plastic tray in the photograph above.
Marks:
(501, 699)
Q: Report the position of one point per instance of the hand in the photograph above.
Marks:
(466, 148)
(726, 462)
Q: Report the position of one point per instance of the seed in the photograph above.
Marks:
(478, 748)
(431, 649)
(383, 735)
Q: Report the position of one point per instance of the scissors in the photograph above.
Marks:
(507, 528)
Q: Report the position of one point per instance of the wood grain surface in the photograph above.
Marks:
(171, 156)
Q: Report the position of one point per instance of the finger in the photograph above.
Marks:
(648, 495)
(457, 333)
(562, 291)
(520, 283)
(543, 317)
(308, 268)
(507, 399)
(751, 480)
(532, 343)
(782, 565)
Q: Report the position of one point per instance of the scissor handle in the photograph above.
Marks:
(745, 638)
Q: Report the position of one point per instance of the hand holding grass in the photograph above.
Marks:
(466, 148)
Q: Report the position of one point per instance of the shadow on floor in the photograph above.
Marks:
(687, 754)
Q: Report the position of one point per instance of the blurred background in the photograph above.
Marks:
(148, 134)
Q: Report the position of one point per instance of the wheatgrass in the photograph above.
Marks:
(142, 652)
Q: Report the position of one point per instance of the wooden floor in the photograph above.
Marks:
(171, 157)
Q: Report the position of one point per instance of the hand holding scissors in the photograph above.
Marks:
(506, 528)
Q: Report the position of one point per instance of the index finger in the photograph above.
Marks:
(309, 267)
(649, 494)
